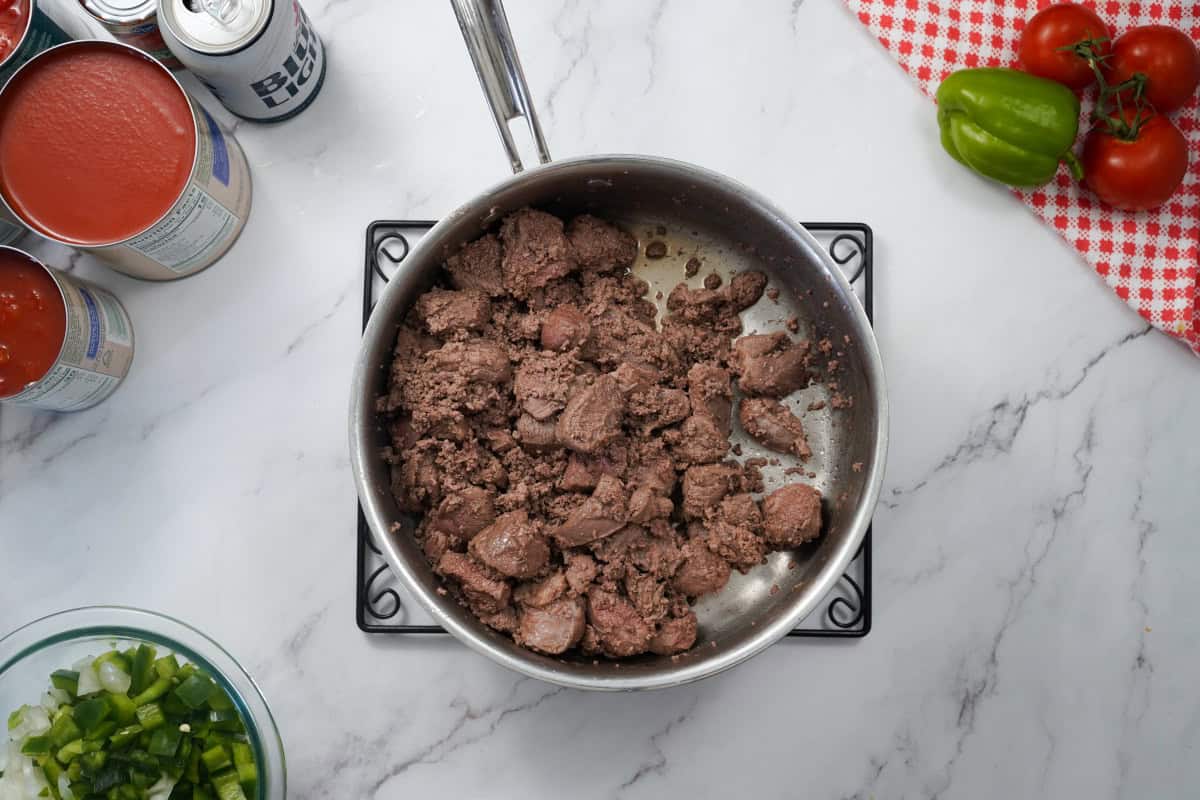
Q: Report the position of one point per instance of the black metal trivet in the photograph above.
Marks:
(384, 605)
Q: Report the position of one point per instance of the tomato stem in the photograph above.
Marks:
(1117, 126)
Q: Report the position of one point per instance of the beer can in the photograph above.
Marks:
(108, 117)
(75, 337)
(261, 58)
(134, 22)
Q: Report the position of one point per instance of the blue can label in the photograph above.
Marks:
(220, 151)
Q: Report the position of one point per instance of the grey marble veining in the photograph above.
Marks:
(1036, 544)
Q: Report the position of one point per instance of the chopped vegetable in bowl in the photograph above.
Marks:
(129, 725)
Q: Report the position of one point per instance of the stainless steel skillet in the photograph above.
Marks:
(731, 228)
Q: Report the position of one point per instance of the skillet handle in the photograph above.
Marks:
(489, 40)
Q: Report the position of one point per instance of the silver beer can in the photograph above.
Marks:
(261, 58)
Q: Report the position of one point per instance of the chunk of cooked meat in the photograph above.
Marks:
(464, 513)
(657, 407)
(536, 251)
(645, 504)
(451, 312)
(536, 436)
(738, 545)
(416, 483)
(704, 486)
(564, 328)
(583, 471)
(600, 246)
(674, 635)
(581, 571)
(702, 571)
(770, 365)
(647, 594)
(477, 266)
(792, 515)
(634, 377)
(485, 592)
(513, 545)
(592, 417)
(709, 390)
(458, 376)
(504, 620)
(746, 288)
(621, 630)
(634, 546)
(617, 336)
(553, 628)
(771, 424)
(602, 514)
(543, 592)
(541, 384)
(698, 441)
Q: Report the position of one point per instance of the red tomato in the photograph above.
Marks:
(1140, 174)
(1168, 59)
(1056, 27)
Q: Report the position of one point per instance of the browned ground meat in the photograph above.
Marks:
(771, 365)
(771, 424)
(793, 515)
(565, 452)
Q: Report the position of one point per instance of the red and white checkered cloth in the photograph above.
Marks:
(1149, 259)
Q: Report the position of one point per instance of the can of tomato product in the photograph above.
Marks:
(101, 149)
(65, 344)
(261, 58)
(134, 22)
(25, 31)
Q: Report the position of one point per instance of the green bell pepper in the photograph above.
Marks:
(1009, 126)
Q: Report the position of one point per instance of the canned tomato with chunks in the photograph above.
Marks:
(65, 344)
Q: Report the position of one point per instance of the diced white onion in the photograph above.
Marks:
(37, 721)
(113, 678)
(160, 790)
(89, 680)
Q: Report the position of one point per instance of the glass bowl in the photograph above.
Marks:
(29, 654)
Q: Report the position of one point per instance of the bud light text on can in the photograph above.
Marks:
(261, 58)
(65, 343)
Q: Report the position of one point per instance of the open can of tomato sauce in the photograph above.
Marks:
(65, 344)
(101, 149)
(25, 31)
(133, 22)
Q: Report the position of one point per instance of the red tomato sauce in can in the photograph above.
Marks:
(14, 18)
(33, 322)
(96, 144)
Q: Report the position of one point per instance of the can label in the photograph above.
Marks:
(147, 38)
(96, 353)
(42, 34)
(206, 219)
(274, 78)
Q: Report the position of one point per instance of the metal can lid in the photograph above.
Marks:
(120, 10)
(199, 30)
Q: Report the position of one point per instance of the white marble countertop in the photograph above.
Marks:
(1034, 631)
